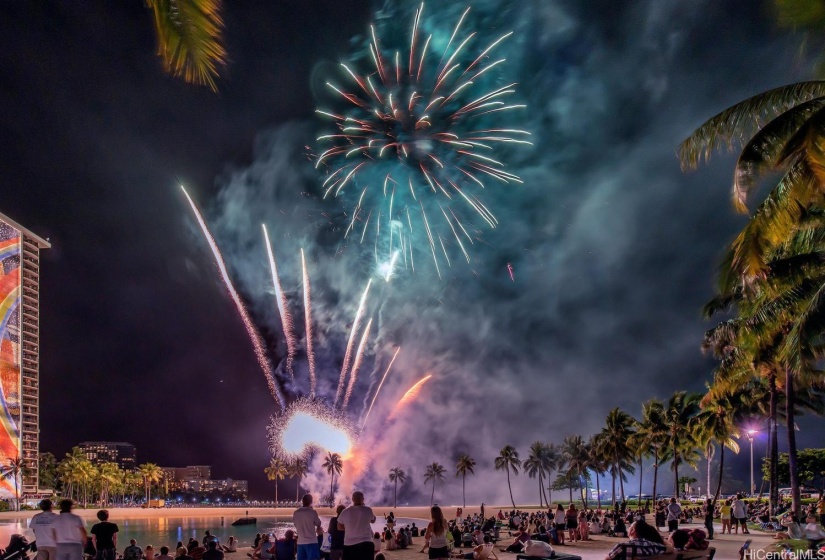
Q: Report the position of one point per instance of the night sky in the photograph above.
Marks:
(614, 248)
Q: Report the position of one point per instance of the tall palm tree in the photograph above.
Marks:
(434, 473)
(464, 465)
(578, 458)
(616, 434)
(14, 469)
(680, 418)
(534, 467)
(508, 460)
(333, 465)
(298, 469)
(151, 474)
(110, 475)
(190, 38)
(598, 462)
(654, 431)
(717, 424)
(552, 460)
(276, 471)
(397, 475)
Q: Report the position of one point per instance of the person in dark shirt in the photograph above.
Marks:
(104, 537)
(133, 551)
(336, 544)
(182, 554)
(212, 551)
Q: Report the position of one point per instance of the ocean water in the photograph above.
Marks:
(167, 531)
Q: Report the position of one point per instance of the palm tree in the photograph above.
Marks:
(15, 469)
(717, 424)
(435, 473)
(396, 475)
(297, 468)
(578, 458)
(190, 38)
(333, 465)
(552, 459)
(277, 470)
(151, 474)
(680, 418)
(534, 467)
(598, 462)
(619, 427)
(110, 475)
(508, 460)
(653, 432)
(464, 465)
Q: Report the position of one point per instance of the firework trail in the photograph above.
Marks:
(283, 308)
(254, 337)
(421, 130)
(308, 320)
(356, 365)
(408, 398)
(348, 354)
(383, 378)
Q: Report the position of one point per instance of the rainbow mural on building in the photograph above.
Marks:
(10, 244)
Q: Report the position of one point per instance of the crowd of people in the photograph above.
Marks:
(63, 535)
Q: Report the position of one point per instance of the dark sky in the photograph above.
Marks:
(614, 249)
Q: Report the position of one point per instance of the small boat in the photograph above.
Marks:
(245, 521)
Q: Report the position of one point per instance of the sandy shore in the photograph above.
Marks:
(727, 545)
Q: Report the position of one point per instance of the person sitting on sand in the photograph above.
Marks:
(133, 551)
(376, 543)
(644, 540)
(478, 552)
(182, 554)
(212, 551)
(262, 551)
(285, 548)
(231, 545)
(517, 545)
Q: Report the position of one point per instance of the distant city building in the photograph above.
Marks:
(197, 479)
(20, 351)
(120, 452)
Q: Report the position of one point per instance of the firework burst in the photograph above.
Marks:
(419, 142)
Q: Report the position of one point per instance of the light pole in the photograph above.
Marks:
(751, 433)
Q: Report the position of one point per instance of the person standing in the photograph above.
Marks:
(69, 533)
(709, 518)
(336, 537)
(740, 515)
(674, 510)
(104, 537)
(356, 522)
(41, 525)
(436, 535)
(308, 525)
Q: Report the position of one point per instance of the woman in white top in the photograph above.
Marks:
(560, 518)
(436, 535)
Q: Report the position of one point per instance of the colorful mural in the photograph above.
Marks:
(9, 348)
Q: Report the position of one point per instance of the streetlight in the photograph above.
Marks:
(752, 433)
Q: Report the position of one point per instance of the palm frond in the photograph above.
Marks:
(190, 39)
(769, 148)
(730, 127)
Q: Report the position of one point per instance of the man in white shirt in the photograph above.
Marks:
(69, 533)
(308, 525)
(41, 525)
(674, 511)
(356, 522)
(740, 515)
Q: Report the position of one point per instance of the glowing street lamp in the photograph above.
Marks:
(752, 433)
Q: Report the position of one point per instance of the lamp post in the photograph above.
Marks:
(752, 433)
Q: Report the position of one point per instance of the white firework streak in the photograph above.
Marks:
(378, 390)
(348, 354)
(254, 336)
(356, 365)
(308, 320)
(283, 309)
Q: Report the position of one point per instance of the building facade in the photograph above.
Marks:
(197, 479)
(20, 351)
(120, 452)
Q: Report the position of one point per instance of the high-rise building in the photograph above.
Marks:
(20, 350)
(120, 452)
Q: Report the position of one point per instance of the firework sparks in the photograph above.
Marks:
(348, 354)
(308, 320)
(378, 390)
(409, 397)
(283, 308)
(254, 336)
(308, 424)
(356, 365)
(419, 132)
